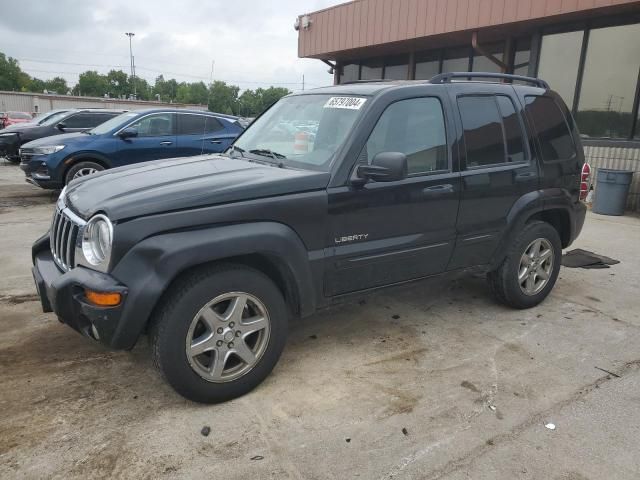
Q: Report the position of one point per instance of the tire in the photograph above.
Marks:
(506, 282)
(181, 318)
(82, 169)
(14, 160)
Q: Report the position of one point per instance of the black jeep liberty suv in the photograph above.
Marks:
(329, 193)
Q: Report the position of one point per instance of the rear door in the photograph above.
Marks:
(496, 168)
(156, 139)
(198, 134)
(387, 232)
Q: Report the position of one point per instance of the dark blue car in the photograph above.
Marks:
(132, 137)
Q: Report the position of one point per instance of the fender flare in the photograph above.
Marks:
(526, 206)
(76, 157)
(150, 266)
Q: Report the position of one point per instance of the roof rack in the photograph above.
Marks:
(448, 77)
(375, 80)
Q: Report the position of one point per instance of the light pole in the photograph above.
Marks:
(133, 72)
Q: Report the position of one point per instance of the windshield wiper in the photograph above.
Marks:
(265, 152)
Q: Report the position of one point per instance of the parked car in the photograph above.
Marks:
(41, 117)
(63, 121)
(212, 256)
(129, 138)
(12, 118)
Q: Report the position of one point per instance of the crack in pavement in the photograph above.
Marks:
(18, 299)
(476, 453)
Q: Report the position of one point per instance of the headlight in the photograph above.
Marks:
(97, 239)
(47, 150)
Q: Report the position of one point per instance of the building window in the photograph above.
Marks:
(559, 59)
(456, 60)
(396, 68)
(522, 57)
(371, 70)
(427, 65)
(350, 73)
(483, 64)
(609, 82)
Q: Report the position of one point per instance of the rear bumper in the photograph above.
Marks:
(63, 293)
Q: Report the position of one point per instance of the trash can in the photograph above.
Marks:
(612, 188)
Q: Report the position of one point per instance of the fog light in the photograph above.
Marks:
(103, 299)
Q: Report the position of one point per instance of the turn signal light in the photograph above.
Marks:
(103, 299)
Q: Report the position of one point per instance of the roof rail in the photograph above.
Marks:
(375, 80)
(447, 77)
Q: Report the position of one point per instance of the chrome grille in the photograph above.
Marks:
(63, 237)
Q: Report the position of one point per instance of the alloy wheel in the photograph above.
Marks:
(536, 266)
(83, 172)
(227, 337)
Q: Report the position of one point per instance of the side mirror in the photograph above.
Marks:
(385, 167)
(128, 133)
(61, 126)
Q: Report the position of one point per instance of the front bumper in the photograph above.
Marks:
(63, 293)
(37, 173)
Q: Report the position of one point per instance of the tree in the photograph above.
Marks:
(57, 85)
(11, 76)
(118, 83)
(223, 98)
(91, 84)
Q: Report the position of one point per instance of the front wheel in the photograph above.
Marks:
(219, 333)
(82, 169)
(531, 267)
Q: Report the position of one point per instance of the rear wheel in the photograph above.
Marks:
(82, 169)
(219, 333)
(531, 267)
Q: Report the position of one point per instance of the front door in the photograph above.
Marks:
(387, 232)
(156, 139)
(496, 169)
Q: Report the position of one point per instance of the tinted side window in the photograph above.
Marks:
(512, 129)
(79, 120)
(416, 128)
(555, 138)
(190, 124)
(213, 125)
(482, 125)
(156, 125)
(94, 119)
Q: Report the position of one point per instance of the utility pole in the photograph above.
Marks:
(133, 71)
(303, 82)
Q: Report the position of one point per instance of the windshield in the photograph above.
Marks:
(115, 122)
(301, 131)
(19, 116)
(55, 118)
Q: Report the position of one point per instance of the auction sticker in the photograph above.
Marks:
(351, 103)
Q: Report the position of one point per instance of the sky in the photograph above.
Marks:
(251, 42)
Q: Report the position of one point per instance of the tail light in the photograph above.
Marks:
(585, 180)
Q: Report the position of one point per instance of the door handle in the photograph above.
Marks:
(216, 141)
(524, 176)
(438, 189)
(166, 142)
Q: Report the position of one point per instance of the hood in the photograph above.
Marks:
(184, 183)
(19, 127)
(75, 138)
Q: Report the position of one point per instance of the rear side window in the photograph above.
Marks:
(492, 130)
(483, 135)
(190, 124)
(213, 125)
(555, 138)
(416, 128)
